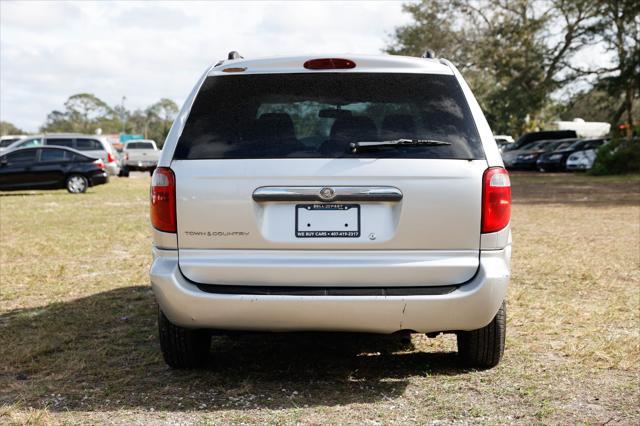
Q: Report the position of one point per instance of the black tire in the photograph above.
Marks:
(181, 347)
(483, 348)
(124, 172)
(151, 171)
(76, 184)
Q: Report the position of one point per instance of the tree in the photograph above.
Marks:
(593, 104)
(513, 53)
(160, 116)
(86, 113)
(84, 109)
(618, 28)
(57, 121)
(7, 128)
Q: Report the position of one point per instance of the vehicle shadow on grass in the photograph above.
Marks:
(19, 194)
(102, 353)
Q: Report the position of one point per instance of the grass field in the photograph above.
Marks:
(78, 337)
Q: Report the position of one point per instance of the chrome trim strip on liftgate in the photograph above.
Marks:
(327, 193)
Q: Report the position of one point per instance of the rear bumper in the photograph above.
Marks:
(470, 306)
(112, 168)
(141, 165)
(99, 179)
(578, 166)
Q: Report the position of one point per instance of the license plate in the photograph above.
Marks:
(327, 220)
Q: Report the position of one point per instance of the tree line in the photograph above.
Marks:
(86, 113)
(517, 54)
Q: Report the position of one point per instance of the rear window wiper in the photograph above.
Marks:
(355, 146)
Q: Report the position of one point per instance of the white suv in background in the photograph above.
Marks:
(90, 145)
(340, 193)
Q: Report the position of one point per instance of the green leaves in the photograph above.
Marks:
(85, 112)
(514, 54)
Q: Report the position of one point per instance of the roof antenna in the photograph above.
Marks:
(234, 55)
(429, 54)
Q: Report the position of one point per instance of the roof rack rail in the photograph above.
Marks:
(429, 54)
(234, 55)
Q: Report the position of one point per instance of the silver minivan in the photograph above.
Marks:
(90, 145)
(339, 193)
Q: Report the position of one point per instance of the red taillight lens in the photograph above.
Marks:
(163, 200)
(100, 164)
(496, 199)
(110, 158)
(329, 64)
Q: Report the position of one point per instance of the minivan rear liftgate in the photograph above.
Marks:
(359, 180)
(417, 225)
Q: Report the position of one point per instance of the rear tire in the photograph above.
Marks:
(181, 347)
(77, 184)
(483, 348)
(124, 172)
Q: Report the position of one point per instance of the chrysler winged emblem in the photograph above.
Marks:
(327, 194)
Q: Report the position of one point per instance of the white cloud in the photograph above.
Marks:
(145, 51)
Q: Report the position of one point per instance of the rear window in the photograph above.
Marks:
(6, 142)
(577, 145)
(563, 145)
(319, 115)
(47, 155)
(30, 142)
(22, 156)
(88, 145)
(68, 142)
(139, 145)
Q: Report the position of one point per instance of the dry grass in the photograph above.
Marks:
(78, 341)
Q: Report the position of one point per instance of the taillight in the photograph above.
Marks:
(110, 158)
(100, 164)
(163, 200)
(496, 199)
(329, 64)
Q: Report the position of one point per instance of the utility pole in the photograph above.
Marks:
(123, 116)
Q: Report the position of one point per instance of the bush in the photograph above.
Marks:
(617, 158)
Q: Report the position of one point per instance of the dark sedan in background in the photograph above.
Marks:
(50, 168)
(556, 160)
(527, 159)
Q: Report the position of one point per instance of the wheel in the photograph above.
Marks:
(483, 348)
(182, 347)
(151, 171)
(77, 184)
(124, 172)
(541, 169)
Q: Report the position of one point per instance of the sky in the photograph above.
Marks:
(148, 51)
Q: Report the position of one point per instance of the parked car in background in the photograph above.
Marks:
(503, 141)
(527, 159)
(510, 154)
(556, 160)
(50, 167)
(584, 159)
(90, 145)
(6, 141)
(302, 208)
(528, 138)
(139, 155)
